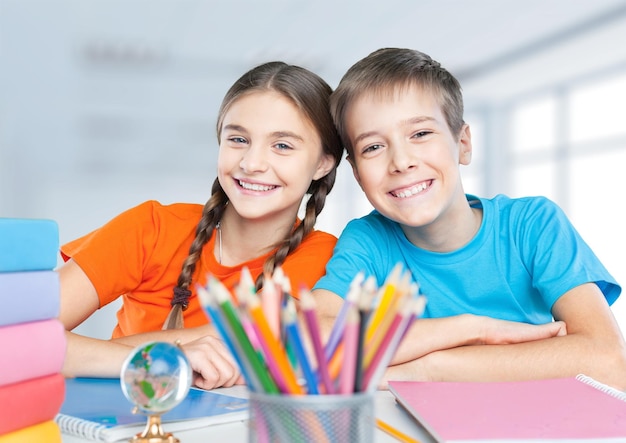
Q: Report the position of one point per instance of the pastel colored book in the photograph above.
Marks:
(28, 244)
(46, 432)
(576, 409)
(30, 402)
(29, 296)
(96, 409)
(32, 350)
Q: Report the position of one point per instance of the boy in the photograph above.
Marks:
(400, 116)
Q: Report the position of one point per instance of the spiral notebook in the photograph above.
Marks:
(576, 409)
(96, 409)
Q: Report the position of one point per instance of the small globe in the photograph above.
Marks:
(155, 377)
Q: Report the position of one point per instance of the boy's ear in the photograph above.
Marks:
(327, 163)
(465, 145)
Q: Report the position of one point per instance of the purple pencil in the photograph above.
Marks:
(307, 304)
(350, 344)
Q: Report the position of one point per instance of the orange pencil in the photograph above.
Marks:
(275, 355)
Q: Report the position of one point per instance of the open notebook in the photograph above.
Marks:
(577, 409)
(96, 409)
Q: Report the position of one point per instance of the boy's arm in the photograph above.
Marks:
(435, 334)
(593, 345)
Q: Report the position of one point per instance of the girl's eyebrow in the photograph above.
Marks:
(233, 127)
(275, 134)
(281, 134)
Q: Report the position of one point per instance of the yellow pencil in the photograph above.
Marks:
(388, 291)
(400, 436)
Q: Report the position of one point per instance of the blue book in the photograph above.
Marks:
(28, 244)
(29, 296)
(96, 409)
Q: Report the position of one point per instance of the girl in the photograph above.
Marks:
(277, 144)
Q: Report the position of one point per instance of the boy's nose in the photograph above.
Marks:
(402, 159)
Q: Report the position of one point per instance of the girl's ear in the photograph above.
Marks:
(326, 164)
(465, 145)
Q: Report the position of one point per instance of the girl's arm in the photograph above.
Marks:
(89, 357)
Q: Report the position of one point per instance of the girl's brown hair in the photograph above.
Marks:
(311, 95)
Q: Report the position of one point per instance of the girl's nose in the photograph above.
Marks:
(254, 159)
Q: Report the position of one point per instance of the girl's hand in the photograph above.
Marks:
(213, 365)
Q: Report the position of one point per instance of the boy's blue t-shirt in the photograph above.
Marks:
(525, 255)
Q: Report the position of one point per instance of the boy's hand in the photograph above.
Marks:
(498, 332)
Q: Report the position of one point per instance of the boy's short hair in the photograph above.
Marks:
(390, 70)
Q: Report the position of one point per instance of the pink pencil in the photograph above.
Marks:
(307, 304)
(270, 303)
(350, 344)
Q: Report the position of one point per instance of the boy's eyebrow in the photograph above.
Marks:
(410, 121)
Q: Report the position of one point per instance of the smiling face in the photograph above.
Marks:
(406, 159)
(269, 154)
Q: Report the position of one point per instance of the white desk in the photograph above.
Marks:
(385, 408)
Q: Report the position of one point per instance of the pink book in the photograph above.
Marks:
(564, 409)
(31, 350)
(30, 402)
(29, 296)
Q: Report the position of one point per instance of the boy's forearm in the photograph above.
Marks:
(562, 356)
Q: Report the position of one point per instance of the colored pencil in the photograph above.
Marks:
(415, 310)
(368, 292)
(292, 330)
(400, 436)
(397, 302)
(209, 304)
(365, 303)
(350, 341)
(275, 355)
(271, 304)
(338, 327)
(307, 305)
(223, 299)
(385, 297)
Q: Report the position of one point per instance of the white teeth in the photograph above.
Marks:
(254, 186)
(411, 191)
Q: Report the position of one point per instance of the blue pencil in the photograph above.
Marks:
(293, 337)
(209, 304)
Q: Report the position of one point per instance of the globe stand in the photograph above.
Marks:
(153, 432)
(155, 377)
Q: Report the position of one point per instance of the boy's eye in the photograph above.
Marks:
(420, 134)
(371, 148)
(237, 139)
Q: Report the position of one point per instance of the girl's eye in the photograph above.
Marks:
(282, 146)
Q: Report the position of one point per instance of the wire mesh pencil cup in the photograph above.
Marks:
(311, 418)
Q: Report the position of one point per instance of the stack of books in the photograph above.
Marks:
(32, 339)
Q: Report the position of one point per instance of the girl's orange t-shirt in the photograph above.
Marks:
(138, 255)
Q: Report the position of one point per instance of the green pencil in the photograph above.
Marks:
(223, 299)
